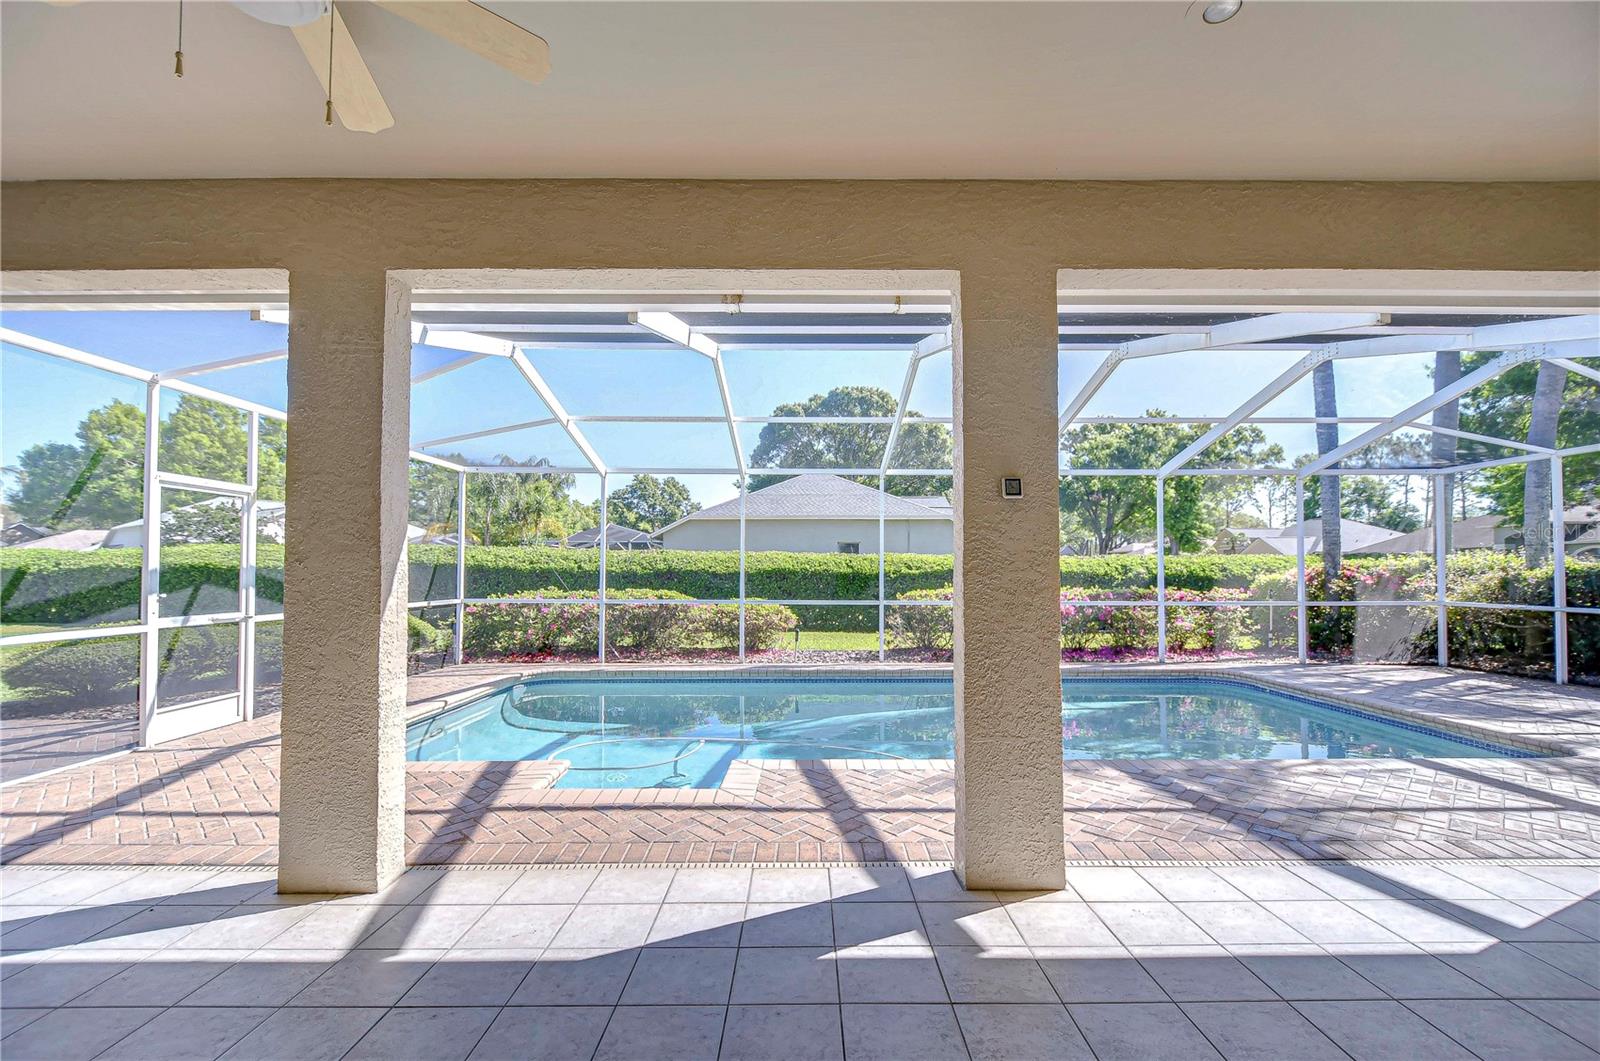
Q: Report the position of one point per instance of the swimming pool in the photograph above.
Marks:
(684, 732)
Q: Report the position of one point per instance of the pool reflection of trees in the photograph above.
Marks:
(1095, 727)
(1210, 728)
(905, 718)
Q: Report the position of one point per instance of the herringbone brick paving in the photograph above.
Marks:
(212, 799)
(33, 745)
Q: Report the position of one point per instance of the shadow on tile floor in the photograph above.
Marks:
(1313, 960)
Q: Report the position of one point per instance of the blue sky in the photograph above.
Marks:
(44, 399)
(1215, 382)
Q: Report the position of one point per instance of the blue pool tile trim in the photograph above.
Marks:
(945, 678)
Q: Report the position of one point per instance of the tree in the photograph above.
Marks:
(97, 482)
(1073, 533)
(1278, 498)
(648, 503)
(846, 445)
(1112, 508)
(503, 508)
(539, 509)
(1502, 407)
(272, 453)
(1538, 530)
(1326, 403)
(489, 500)
(202, 524)
(431, 497)
(520, 508)
(205, 438)
(1243, 447)
(1446, 370)
(1184, 518)
(1368, 500)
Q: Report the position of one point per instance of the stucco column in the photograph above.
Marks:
(342, 824)
(1007, 621)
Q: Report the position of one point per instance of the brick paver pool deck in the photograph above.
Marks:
(212, 799)
(31, 746)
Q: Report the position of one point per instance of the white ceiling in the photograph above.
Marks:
(1322, 90)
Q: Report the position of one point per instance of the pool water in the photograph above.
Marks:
(686, 732)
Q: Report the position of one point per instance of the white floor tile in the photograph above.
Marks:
(446, 1033)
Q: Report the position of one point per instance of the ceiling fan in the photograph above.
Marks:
(351, 93)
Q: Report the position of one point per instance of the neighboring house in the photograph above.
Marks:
(1583, 531)
(1354, 537)
(1494, 532)
(77, 541)
(1474, 532)
(1586, 545)
(269, 522)
(617, 537)
(18, 533)
(819, 513)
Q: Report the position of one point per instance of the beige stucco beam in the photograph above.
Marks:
(1007, 622)
(342, 781)
(432, 226)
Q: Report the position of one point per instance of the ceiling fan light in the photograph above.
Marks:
(284, 12)
(1220, 11)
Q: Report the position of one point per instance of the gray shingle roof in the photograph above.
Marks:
(1354, 535)
(819, 496)
(1475, 532)
(616, 534)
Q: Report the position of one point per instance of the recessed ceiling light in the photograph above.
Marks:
(1220, 11)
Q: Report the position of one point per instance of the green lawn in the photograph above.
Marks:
(9, 629)
(839, 640)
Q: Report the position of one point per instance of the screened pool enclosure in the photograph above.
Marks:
(590, 476)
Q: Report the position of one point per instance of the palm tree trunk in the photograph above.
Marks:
(1327, 405)
(1446, 370)
(1537, 529)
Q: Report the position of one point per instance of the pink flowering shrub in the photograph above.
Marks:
(1085, 623)
(1089, 621)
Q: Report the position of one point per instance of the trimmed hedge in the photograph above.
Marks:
(505, 570)
(927, 627)
(497, 631)
(56, 587)
(1193, 571)
(50, 587)
(105, 671)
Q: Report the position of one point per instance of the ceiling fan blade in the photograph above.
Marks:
(356, 99)
(479, 30)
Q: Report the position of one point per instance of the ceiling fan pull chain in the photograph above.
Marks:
(327, 112)
(177, 69)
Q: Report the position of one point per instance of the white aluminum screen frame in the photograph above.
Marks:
(1558, 339)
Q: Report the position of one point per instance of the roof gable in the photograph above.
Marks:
(615, 532)
(820, 496)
